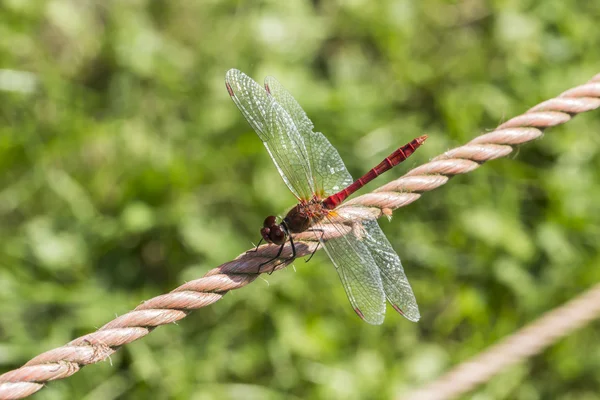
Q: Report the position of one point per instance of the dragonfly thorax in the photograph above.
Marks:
(298, 219)
(304, 215)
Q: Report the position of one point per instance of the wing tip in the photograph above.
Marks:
(232, 71)
(230, 74)
(272, 82)
(230, 77)
(371, 321)
(360, 314)
(229, 89)
(412, 318)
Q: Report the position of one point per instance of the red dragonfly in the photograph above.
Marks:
(368, 266)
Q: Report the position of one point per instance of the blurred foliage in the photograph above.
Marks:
(125, 170)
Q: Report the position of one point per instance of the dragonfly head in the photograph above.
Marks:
(273, 232)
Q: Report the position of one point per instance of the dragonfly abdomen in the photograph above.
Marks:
(388, 163)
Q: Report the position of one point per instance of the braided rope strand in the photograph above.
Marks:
(524, 343)
(64, 361)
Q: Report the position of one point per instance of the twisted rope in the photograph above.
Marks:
(64, 361)
(524, 343)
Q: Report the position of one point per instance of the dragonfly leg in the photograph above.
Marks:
(318, 244)
(256, 248)
(271, 260)
(293, 256)
(277, 256)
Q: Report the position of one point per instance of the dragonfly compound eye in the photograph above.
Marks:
(277, 235)
(265, 233)
(269, 221)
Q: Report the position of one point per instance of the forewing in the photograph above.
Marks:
(276, 129)
(252, 100)
(287, 150)
(329, 172)
(395, 284)
(357, 270)
(287, 101)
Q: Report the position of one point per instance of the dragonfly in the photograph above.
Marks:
(368, 267)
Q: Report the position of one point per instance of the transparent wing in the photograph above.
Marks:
(357, 270)
(395, 284)
(288, 152)
(277, 130)
(329, 172)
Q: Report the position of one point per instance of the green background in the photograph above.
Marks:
(125, 170)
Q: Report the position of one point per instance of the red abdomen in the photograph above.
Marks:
(388, 163)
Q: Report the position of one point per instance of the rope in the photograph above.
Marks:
(64, 361)
(524, 343)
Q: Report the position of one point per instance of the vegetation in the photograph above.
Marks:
(125, 170)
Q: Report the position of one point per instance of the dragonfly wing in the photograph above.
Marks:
(288, 151)
(252, 100)
(287, 101)
(358, 272)
(395, 284)
(276, 129)
(329, 172)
